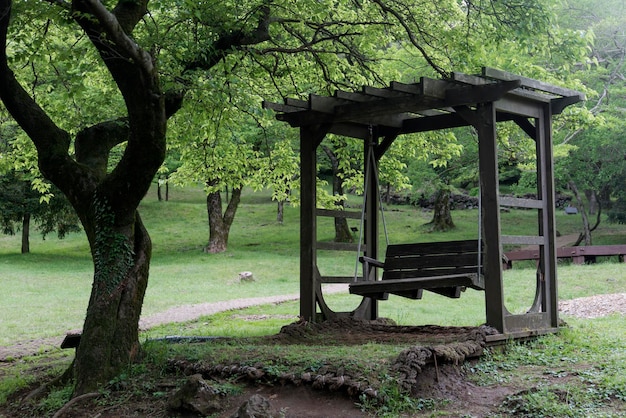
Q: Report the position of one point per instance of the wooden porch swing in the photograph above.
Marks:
(379, 116)
(446, 268)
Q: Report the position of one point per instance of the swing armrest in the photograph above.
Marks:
(371, 261)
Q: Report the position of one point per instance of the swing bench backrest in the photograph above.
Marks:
(446, 268)
(405, 261)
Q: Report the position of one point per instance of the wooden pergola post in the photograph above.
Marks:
(372, 208)
(545, 189)
(485, 124)
(310, 137)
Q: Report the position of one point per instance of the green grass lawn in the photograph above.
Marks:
(45, 293)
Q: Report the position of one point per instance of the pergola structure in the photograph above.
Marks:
(379, 116)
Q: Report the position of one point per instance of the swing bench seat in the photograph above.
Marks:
(446, 268)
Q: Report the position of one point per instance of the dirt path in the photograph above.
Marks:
(587, 307)
(176, 314)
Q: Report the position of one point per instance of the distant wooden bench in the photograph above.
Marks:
(446, 268)
(71, 340)
(578, 255)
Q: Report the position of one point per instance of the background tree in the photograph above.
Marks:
(20, 205)
(594, 169)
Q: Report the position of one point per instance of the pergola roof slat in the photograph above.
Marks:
(414, 88)
(303, 104)
(386, 92)
(428, 104)
(532, 83)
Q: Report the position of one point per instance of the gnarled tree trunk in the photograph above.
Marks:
(585, 235)
(342, 230)
(442, 217)
(110, 338)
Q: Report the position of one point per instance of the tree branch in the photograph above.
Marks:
(93, 144)
(402, 21)
(109, 35)
(52, 142)
(233, 40)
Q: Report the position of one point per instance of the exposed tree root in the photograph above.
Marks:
(73, 401)
(44, 389)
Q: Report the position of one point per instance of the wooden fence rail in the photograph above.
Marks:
(578, 255)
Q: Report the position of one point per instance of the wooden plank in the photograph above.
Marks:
(505, 338)
(404, 285)
(308, 221)
(558, 105)
(334, 105)
(435, 88)
(532, 83)
(433, 123)
(333, 213)
(519, 92)
(526, 126)
(326, 104)
(442, 247)
(409, 274)
(382, 107)
(355, 97)
(414, 294)
(522, 255)
(303, 104)
(352, 130)
(480, 94)
(339, 279)
(577, 254)
(523, 240)
(280, 107)
(598, 250)
(305, 118)
(373, 94)
(387, 93)
(414, 88)
(450, 292)
(517, 106)
(521, 203)
(435, 262)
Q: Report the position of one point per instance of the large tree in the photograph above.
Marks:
(105, 202)
(145, 60)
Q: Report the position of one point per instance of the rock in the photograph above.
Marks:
(246, 276)
(196, 396)
(255, 407)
